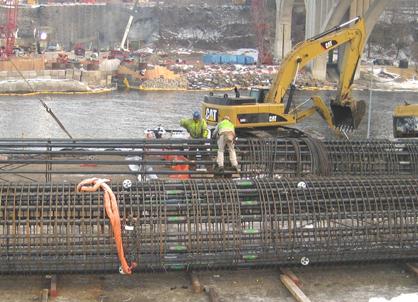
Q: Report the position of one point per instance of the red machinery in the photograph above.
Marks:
(79, 50)
(258, 12)
(8, 30)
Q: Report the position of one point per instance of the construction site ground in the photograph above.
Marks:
(339, 283)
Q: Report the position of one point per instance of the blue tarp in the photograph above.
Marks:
(249, 60)
(241, 60)
(227, 59)
(216, 59)
(211, 59)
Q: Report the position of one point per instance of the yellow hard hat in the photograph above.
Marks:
(226, 117)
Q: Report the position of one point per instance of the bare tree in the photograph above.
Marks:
(414, 54)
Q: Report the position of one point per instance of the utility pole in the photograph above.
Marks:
(369, 119)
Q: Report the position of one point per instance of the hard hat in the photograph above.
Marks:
(196, 115)
(226, 117)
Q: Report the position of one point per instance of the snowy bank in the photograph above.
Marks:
(41, 85)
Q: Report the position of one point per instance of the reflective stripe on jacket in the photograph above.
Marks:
(196, 129)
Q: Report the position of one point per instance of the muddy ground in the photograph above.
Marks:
(339, 283)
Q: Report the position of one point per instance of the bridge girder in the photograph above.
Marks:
(322, 15)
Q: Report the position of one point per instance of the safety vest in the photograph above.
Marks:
(196, 129)
(225, 126)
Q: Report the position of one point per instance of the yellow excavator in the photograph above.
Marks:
(405, 121)
(265, 109)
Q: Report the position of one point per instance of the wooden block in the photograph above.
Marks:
(53, 290)
(292, 276)
(213, 295)
(197, 287)
(44, 295)
(413, 267)
(296, 292)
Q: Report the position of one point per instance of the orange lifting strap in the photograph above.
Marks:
(112, 211)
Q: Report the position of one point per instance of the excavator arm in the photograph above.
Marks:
(258, 112)
(347, 113)
(318, 107)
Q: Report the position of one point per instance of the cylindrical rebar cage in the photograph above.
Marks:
(59, 160)
(204, 224)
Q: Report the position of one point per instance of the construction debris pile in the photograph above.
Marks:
(166, 84)
(199, 76)
(224, 76)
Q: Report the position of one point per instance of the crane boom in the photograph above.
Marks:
(128, 26)
(308, 50)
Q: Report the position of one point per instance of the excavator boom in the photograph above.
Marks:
(347, 113)
(257, 111)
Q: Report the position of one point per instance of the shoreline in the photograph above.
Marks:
(93, 91)
(110, 90)
(362, 86)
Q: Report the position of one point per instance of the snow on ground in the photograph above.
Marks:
(406, 85)
(401, 298)
(38, 84)
(384, 74)
(148, 50)
(391, 81)
(35, 80)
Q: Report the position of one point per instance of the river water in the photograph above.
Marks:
(127, 114)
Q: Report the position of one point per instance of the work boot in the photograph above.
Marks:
(236, 169)
(219, 169)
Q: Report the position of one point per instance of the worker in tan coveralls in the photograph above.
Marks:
(225, 133)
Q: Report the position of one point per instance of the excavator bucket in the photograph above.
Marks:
(348, 117)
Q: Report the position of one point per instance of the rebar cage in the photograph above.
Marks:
(69, 160)
(206, 224)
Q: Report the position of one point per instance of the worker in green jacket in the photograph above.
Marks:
(225, 133)
(195, 126)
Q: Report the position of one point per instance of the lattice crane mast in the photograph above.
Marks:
(8, 30)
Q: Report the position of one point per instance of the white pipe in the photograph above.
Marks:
(125, 35)
(350, 21)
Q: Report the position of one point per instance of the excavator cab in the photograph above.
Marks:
(259, 93)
